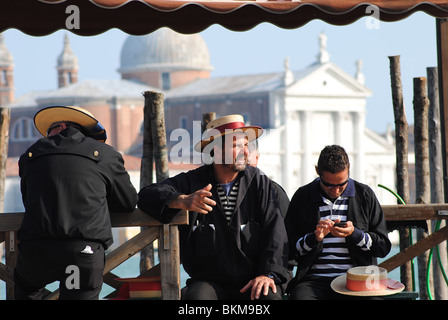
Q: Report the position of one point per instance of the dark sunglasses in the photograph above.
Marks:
(330, 185)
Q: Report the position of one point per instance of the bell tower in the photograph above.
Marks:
(6, 74)
(67, 65)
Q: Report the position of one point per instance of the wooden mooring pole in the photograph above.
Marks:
(402, 166)
(422, 180)
(154, 152)
(436, 179)
(169, 235)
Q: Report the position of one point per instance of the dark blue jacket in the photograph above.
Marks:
(364, 211)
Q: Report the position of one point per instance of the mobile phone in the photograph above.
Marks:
(340, 224)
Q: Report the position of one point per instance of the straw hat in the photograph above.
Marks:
(47, 116)
(233, 123)
(340, 286)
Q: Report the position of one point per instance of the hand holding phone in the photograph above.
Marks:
(340, 224)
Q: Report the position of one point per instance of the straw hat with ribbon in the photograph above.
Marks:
(219, 127)
(339, 285)
(47, 116)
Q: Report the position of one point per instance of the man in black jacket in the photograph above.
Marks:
(70, 179)
(235, 246)
(333, 224)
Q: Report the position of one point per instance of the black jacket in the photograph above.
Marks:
(69, 184)
(252, 244)
(364, 211)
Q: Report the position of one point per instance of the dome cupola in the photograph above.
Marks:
(165, 58)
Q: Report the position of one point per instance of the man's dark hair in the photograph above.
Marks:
(332, 159)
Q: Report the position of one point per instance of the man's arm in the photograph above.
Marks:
(198, 201)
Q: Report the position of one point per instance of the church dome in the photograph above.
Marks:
(164, 50)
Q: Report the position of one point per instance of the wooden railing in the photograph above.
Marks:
(168, 244)
(169, 267)
(412, 212)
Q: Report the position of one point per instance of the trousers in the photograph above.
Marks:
(208, 290)
(77, 264)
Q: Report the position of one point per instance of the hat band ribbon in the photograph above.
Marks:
(229, 126)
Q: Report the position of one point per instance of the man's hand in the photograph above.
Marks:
(342, 232)
(323, 228)
(259, 284)
(197, 201)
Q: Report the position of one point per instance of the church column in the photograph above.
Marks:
(306, 170)
(338, 130)
(285, 153)
(358, 120)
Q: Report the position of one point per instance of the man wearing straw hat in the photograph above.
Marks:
(235, 246)
(70, 179)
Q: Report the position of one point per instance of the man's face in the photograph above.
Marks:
(235, 152)
(333, 184)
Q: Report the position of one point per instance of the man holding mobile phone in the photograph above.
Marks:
(333, 223)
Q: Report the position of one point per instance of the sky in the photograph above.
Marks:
(262, 49)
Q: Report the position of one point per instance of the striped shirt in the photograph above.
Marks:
(334, 260)
(228, 194)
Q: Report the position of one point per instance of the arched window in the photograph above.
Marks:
(23, 130)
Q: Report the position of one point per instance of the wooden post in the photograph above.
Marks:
(401, 153)
(146, 178)
(442, 67)
(169, 235)
(154, 151)
(422, 180)
(436, 178)
(170, 262)
(5, 115)
(206, 118)
(11, 255)
(155, 107)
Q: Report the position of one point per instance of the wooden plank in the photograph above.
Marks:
(12, 221)
(414, 211)
(130, 247)
(416, 249)
(138, 218)
(6, 273)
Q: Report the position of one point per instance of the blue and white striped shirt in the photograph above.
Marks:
(334, 260)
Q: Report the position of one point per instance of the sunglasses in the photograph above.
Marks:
(330, 185)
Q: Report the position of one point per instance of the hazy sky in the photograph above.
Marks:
(262, 49)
